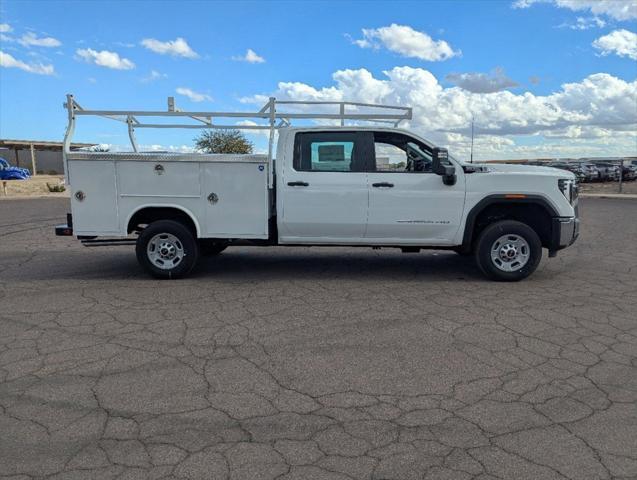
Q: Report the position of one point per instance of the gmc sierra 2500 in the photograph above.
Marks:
(351, 185)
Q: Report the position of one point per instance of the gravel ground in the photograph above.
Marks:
(34, 186)
(609, 187)
(332, 363)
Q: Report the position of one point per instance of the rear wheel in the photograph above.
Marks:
(508, 251)
(167, 249)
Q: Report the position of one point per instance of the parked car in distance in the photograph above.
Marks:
(615, 171)
(608, 172)
(575, 168)
(9, 172)
(629, 172)
(591, 171)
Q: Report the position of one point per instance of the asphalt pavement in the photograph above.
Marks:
(316, 363)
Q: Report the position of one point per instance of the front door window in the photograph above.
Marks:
(398, 153)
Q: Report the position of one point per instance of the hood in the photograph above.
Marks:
(526, 170)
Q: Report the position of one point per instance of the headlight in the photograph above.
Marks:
(568, 188)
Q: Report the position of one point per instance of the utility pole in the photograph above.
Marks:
(472, 122)
(34, 168)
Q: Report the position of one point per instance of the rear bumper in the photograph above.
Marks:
(65, 230)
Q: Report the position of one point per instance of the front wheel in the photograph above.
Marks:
(508, 251)
(167, 249)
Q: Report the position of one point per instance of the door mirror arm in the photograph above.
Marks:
(441, 166)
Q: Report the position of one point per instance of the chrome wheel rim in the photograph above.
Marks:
(510, 253)
(165, 251)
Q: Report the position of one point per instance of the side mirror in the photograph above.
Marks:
(441, 166)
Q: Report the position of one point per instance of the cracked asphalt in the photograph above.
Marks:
(332, 363)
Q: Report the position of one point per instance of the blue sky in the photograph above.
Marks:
(503, 62)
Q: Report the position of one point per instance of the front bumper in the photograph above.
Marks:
(564, 232)
(568, 231)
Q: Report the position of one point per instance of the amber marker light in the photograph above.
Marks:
(515, 195)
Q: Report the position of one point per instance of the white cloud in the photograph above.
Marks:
(584, 23)
(105, 58)
(482, 82)
(192, 95)
(620, 42)
(9, 61)
(250, 57)
(617, 9)
(407, 42)
(30, 39)
(265, 133)
(5, 28)
(154, 75)
(601, 106)
(177, 48)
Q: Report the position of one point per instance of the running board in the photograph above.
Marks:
(108, 242)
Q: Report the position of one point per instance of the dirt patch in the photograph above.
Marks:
(33, 187)
(609, 187)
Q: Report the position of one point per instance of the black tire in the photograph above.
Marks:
(185, 243)
(488, 238)
(209, 248)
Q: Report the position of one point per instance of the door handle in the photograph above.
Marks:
(298, 184)
(383, 184)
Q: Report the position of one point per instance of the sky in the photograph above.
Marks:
(539, 78)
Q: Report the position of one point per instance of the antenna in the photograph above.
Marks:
(472, 122)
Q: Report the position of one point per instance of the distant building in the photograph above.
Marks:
(38, 156)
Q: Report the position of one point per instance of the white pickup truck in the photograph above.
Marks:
(374, 186)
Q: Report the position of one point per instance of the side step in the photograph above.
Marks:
(108, 242)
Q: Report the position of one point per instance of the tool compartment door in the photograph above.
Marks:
(93, 197)
(159, 179)
(235, 197)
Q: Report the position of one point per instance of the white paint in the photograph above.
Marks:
(419, 207)
(118, 185)
(335, 208)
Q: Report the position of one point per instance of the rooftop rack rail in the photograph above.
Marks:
(276, 118)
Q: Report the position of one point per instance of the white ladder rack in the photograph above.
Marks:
(275, 117)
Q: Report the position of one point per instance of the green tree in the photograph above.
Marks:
(223, 141)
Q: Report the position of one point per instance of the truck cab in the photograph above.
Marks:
(367, 186)
(374, 186)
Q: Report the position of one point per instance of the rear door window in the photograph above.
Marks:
(327, 152)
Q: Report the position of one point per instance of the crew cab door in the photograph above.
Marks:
(322, 191)
(408, 203)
